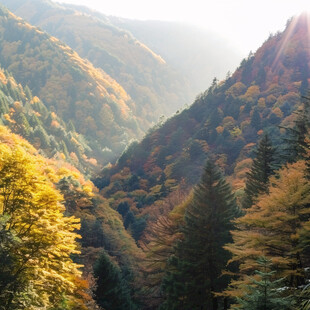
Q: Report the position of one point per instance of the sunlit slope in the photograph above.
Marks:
(95, 103)
(101, 227)
(226, 120)
(155, 87)
(28, 116)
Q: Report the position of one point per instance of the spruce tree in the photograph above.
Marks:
(194, 272)
(261, 170)
(265, 293)
(295, 141)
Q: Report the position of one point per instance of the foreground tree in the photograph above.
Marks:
(194, 274)
(36, 240)
(276, 227)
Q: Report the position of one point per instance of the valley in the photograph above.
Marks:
(131, 177)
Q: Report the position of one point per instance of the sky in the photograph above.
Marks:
(246, 24)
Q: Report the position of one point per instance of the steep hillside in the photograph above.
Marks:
(27, 116)
(195, 52)
(101, 227)
(155, 87)
(97, 105)
(226, 121)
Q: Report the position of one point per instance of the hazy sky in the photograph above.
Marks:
(246, 23)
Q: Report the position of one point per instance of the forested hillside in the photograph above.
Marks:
(27, 116)
(92, 101)
(226, 121)
(209, 211)
(156, 88)
(48, 214)
(243, 245)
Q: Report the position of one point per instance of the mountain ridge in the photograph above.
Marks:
(225, 122)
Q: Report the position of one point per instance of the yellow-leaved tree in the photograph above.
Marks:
(36, 239)
(277, 228)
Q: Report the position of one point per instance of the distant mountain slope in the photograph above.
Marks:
(226, 120)
(27, 116)
(97, 105)
(197, 53)
(155, 87)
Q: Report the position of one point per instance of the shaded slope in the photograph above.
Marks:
(98, 107)
(156, 88)
(226, 120)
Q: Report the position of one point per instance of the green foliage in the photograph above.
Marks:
(111, 290)
(266, 293)
(261, 170)
(194, 273)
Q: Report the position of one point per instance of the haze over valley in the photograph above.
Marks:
(154, 158)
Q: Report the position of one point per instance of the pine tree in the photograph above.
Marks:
(261, 170)
(194, 272)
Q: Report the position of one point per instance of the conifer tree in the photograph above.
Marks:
(261, 170)
(194, 272)
(265, 293)
(297, 146)
(276, 227)
(111, 291)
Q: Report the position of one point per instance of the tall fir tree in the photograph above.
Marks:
(261, 170)
(194, 274)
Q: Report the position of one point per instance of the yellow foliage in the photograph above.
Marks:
(35, 99)
(277, 221)
(46, 237)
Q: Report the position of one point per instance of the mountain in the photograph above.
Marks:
(225, 122)
(27, 115)
(97, 106)
(194, 51)
(155, 87)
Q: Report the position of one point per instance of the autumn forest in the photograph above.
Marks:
(123, 186)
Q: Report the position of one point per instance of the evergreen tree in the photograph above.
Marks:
(265, 293)
(194, 272)
(261, 170)
(276, 227)
(297, 145)
(256, 120)
(111, 291)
